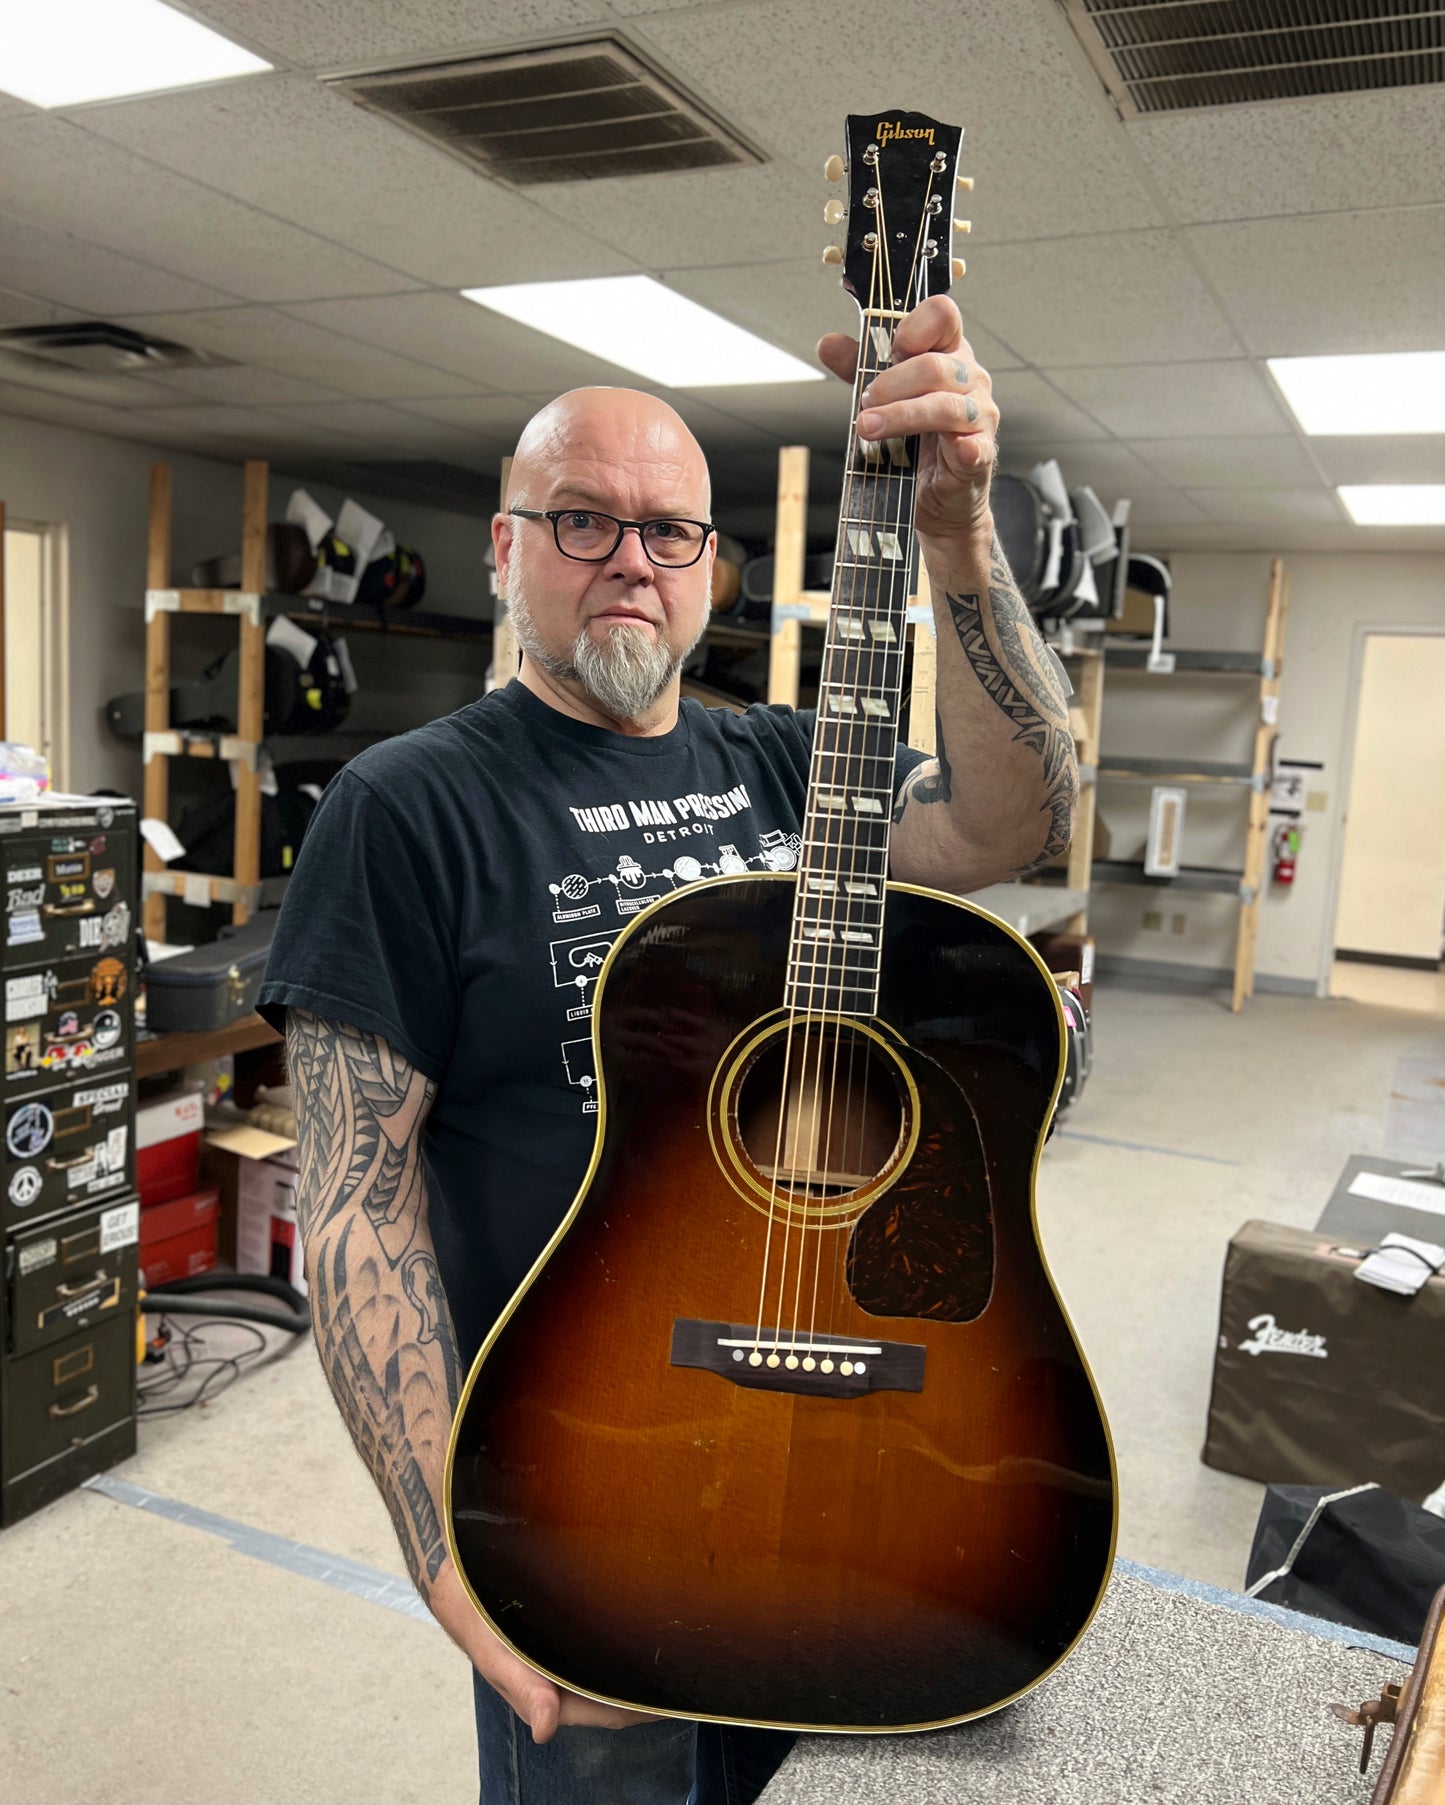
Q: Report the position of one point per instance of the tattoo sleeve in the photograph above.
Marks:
(382, 1325)
(1014, 666)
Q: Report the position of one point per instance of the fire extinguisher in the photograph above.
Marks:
(1286, 851)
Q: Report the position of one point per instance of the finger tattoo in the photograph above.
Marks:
(970, 410)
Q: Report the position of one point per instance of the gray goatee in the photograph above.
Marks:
(624, 674)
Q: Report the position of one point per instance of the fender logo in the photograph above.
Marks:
(887, 133)
(1269, 1338)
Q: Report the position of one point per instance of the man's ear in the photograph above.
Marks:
(502, 530)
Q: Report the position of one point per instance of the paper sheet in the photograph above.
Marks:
(1409, 1193)
(1401, 1264)
(161, 839)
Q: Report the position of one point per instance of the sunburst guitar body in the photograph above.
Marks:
(788, 1425)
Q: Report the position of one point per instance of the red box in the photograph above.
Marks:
(178, 1238)
(168, 1146)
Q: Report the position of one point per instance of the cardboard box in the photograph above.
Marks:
(268, 1237)
(168, 1145)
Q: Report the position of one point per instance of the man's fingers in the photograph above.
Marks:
(839, 353)
(948, 413)
(934, 325)
(932, 372)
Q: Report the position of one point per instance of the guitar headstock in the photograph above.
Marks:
(902, 171)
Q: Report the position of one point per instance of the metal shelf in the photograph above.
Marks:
(1202, 770)
(1223, 664)
(1189, 877)
(1030, 908)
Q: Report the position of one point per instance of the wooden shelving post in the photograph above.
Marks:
(1265, 730)
(789, 546)
(1085, 718)
(242, 750)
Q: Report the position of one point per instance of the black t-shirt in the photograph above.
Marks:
(456, 894)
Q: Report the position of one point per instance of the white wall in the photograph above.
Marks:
(97, 487)
(1392, 881)
(1219, 601)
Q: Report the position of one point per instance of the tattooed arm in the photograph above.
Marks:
(383, 1327)
(1003, 720)
(998, 799)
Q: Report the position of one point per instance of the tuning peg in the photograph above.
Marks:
(833, 212)
(957, 267)
(963, 225)
(834, 169)
(833, 254)
(965, 182)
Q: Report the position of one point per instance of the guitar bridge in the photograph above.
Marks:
(807, 1364)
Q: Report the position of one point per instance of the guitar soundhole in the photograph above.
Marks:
(820, 1111)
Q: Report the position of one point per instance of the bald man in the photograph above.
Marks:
(437, 954)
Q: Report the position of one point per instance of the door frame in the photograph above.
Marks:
(1363, 632)
(54, 639)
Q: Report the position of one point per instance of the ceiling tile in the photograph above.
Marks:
(385, 431)
(795, 413)
(243, 385)
(1230, 463)
(1265, 507)
(470, 341)
(1045, 154)
(1156, 401)
(494, 422)
(294, 347)
(249, 431)
(1312, 156)
(90, 278)
(93, 388)
(1409, 458)
(348, 34)
(1109, 469)
(1156, 510)
(30, 310)
(1033, 412)
(54, 174)
(1332, 282)
(367, 184)
(1121, 298)
(63, 410)
(761, 214)
(789, 304)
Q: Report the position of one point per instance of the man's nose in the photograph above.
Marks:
(629, 558)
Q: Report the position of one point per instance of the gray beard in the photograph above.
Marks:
(624, 675)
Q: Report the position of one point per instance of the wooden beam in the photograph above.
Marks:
(790, 532)
(250, 713)
(506, 653)
(157, 780)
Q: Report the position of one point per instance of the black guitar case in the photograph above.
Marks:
(298, 699)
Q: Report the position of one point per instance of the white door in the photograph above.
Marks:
(1392, 880)
(35, 643)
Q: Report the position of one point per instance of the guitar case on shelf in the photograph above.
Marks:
(210, 986)
(299, 698)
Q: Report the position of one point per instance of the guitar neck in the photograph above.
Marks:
(843, 865)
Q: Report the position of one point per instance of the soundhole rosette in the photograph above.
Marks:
(812, 1117)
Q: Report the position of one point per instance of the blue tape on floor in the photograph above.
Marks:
(1273, 1613)
(1103, 1140)
(259, 1545)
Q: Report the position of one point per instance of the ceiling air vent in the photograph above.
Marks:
(570, 113)
(1181, 54)
(100, 348)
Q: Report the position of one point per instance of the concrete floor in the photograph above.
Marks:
(141, 1658)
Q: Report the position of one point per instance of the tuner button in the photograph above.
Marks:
(965, 182)
(833, 254)
(963, 225)
(833, 212)
(834, 169)
(957, 267)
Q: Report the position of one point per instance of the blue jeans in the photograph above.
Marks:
(666, 1763)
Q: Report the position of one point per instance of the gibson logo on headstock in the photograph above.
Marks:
(886, 132)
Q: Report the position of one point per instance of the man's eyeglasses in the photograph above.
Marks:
(591, 538)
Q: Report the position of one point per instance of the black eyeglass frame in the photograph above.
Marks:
(555, 514)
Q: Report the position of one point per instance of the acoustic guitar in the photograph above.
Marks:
(788, 1426)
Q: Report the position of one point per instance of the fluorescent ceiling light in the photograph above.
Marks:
(639, 325)
(1389, 391)
(58, 53)
(1395, 504)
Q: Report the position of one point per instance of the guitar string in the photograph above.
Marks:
(840, 678)
(815, 860)
(890, 687)
(809, 1108)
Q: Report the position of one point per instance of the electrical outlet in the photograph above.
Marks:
(1154, 921)
(1178, 923)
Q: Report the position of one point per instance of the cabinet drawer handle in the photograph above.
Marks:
(83, 908)
(81, 1285)
(80, 1404)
